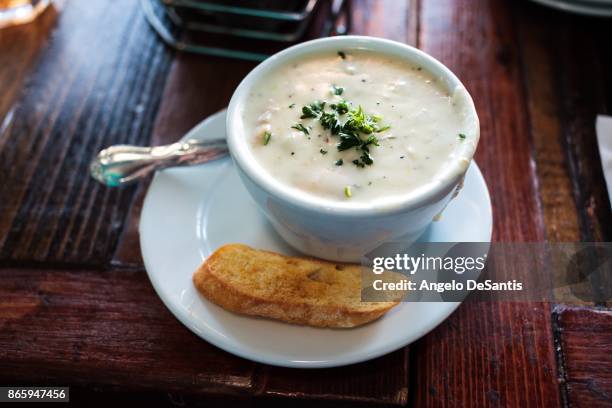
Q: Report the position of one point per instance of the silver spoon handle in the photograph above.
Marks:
(122, 164)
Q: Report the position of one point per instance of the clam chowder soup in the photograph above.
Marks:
(357, 126)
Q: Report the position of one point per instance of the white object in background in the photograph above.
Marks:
(603, 128)
(596, 8)
(14, 12)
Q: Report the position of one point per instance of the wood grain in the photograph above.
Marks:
(490, 354)
(86, 328)
(585, 91)
(392, 19)
(554, 181)
(91, 88)
(586, 341)
(383, 381)
(189, 97)
(75, 304)
(555, 184)
(20, 46)
(581, 100)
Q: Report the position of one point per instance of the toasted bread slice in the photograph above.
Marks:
(296, 290)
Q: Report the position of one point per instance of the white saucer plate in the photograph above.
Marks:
(189, 212)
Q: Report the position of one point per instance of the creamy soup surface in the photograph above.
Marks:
(418, 125)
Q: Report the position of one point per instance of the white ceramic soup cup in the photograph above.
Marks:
(345, 230)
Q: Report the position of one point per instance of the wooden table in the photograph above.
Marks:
(76, 307)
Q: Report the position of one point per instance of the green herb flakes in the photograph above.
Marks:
(313, 110)
(337, 90)
(301, 128)
(355, 130)
(266, 138)
(347, 192)
(341, 107)
(330, 121)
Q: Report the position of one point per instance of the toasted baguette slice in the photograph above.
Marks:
(296, 290)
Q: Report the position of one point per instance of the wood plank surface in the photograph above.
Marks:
(92, 87)
(584, 91)
(110, 330)
(77, 308)
(391, 19)
(189, 97)
(586, 341)
(562, 113)
(555, 183)
(84, 327)
(20, 46)
(550, 157)
(490, 354)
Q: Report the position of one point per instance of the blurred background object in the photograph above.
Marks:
(14, 12)
(598, 8)
(244, 29)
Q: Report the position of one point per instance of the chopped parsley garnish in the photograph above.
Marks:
(291, 106)
(313, 110)
(341, 107)
(301, 128)
(462, 136)
(342, 54)
(353, 126)
(347, 192)
(337, 90)
(348, 140)
(366, 158)
(358, 121)
(330, 121)
(266, 138)
(371, 140)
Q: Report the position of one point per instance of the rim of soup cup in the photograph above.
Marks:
(445, 181)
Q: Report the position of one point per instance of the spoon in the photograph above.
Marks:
(123, 164)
